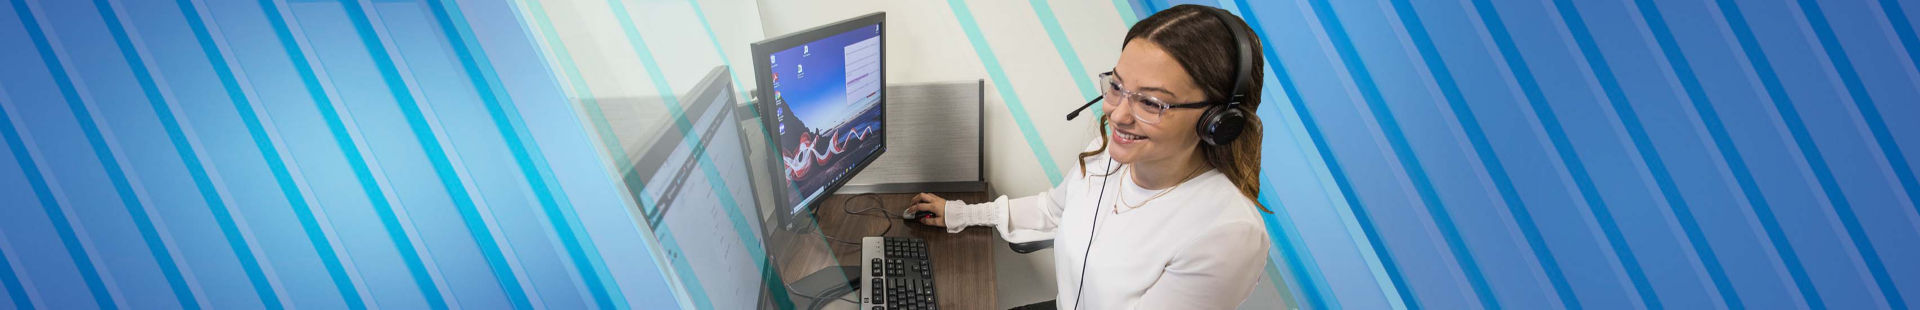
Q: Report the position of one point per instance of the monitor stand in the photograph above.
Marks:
(827, 285)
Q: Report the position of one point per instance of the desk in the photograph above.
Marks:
(962, 263)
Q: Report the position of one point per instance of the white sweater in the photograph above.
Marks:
(1201, 246)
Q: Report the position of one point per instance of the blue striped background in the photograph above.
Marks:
(1603, 154)
(1687, 154)
(324, 154)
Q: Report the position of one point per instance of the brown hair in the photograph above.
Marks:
(1207, 50)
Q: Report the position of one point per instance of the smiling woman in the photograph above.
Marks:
(1184, 149)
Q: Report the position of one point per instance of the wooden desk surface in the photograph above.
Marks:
(962, 262)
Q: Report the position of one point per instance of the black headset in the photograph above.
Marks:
(1223, 123)
(1219, 124)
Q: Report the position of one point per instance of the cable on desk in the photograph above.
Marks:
(878, 205)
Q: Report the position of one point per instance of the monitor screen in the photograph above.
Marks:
(697, 194)
(827, 105)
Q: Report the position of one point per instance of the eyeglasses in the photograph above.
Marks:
(1148, 109)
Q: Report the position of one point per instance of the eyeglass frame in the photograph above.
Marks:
(1164, 106)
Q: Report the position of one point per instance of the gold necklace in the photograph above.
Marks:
(1130, 206)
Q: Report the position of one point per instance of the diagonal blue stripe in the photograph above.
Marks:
(61, 226)
(282, 176)
(1313, 283)
(770, 276)
(1783, 105)
(1404, 152)
(142, 221)
(11, 281)
(1729, 154)
(437, 154)
(1004, 86)
(1399, 294)
(1557, 135)
(1903, 28)
(1877, 123)
(487, 84)
(1642, 144)
(1127, 15)
(356, 162)
(1482, 149)
(1864, 102)
(48, 203)
(189, 157)
(609, 142)
(735, 215)
(720, 50)
(1076, 71)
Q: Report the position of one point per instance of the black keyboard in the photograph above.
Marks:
(896, 273)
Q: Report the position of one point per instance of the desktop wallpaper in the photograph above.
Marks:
(828, 118)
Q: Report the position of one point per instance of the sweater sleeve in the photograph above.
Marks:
(1217, 270)
(1024, 219)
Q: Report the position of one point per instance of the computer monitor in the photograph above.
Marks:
(697, 194)
(823, 103)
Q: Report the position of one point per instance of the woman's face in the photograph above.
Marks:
(1147, 69)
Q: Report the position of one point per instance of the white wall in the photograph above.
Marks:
(926, 43)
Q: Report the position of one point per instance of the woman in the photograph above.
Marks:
(1156, 217)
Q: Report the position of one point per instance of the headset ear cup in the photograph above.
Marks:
(1221, 124)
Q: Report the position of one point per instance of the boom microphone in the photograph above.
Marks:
(1083, 107)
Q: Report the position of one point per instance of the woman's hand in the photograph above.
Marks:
(931, 203)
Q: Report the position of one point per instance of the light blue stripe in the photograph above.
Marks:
(437, 154)
(609, 142)
(64, 82)
(9, 280)
(1549, 123)
(1629, 119)
(1077, 71)
(1402, 150)
(1869, 113)
(357, 158)
(1313, 283)
(1004, 86)
(487, 84)
(1280, 283)
(1728, 153)
(1837, 55)
(308, 217)
(1344, 202)
(1783, 106)
(244, 107)
(718, 49)
(1127, 15)
(189, 157)
(1903, 28)
(83, 263)
(775, 285)
(750, 240)
(1483, 150)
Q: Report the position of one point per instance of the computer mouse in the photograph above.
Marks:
(923, 214)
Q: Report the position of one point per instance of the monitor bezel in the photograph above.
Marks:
(790, 214)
